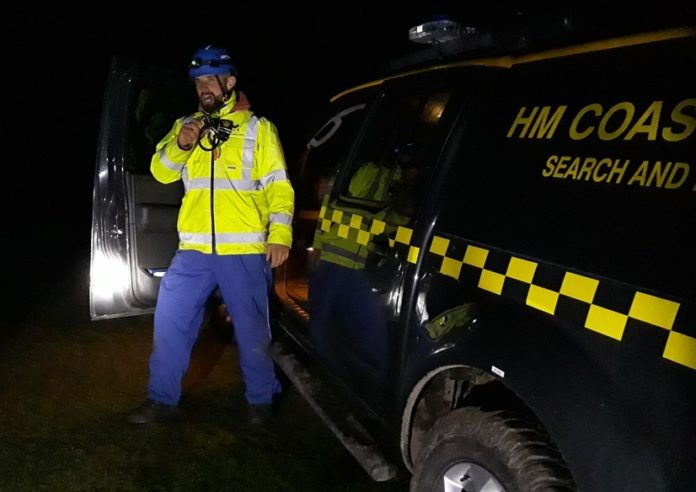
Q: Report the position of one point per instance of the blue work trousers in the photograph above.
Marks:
(244, 281)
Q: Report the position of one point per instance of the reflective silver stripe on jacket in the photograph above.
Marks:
(281, 218)
(223, 238)
(185, 178)
(174, 166)
(249, 146)
(277, 175)
(224, 184)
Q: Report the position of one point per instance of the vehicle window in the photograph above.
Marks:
(324, 153)
(153, 110)
(327, 150)
(392, 154)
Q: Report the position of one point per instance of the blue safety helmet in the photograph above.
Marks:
(211, 60)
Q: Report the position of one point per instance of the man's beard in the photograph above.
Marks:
(210, 103)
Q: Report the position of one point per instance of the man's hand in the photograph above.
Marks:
(188, 135)
(277, 254)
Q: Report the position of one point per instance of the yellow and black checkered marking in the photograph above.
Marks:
(604, 306)
(363, 229)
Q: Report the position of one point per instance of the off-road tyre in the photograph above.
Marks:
(512, 450)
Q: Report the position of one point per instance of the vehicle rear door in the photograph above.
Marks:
(133, 216)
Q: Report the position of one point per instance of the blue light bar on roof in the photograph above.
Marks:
(437, 32)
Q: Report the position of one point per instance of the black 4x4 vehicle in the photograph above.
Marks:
(494, 257)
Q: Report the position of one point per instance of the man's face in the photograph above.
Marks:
(210, 94)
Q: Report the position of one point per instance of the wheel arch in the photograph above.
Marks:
(433, 387)
(579, 390)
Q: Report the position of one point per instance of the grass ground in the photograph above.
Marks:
(67, 385)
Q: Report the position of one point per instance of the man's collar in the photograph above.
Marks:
(229, 104)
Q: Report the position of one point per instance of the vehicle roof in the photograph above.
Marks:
(508, 61)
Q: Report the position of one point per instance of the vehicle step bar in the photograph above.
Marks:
(342, 423)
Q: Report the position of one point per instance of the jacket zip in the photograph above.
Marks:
(212, 197)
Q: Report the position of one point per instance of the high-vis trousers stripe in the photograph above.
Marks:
(244, 281)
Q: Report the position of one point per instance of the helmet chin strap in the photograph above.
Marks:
(225, 93)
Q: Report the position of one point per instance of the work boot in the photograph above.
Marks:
(259, 414)
(152, 411)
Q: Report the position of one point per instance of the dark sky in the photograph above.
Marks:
(291, 59)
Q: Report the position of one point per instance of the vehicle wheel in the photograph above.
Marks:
(472, 450)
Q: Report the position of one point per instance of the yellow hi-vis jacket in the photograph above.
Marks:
(237, 198)
(371, 181)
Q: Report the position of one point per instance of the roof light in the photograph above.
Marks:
(438, 32)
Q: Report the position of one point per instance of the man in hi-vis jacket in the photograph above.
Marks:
(234, 226)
